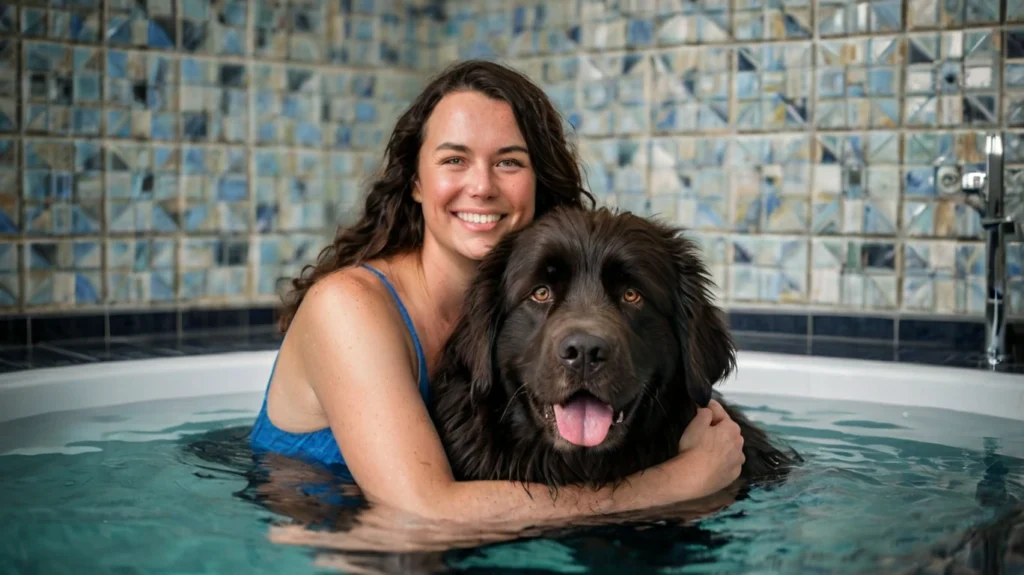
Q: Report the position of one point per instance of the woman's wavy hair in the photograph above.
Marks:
(392, 222)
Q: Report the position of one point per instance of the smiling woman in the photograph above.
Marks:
(475, 185)
(364, 326)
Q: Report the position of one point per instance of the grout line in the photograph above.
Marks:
(49, 346)
(812, 110)
(21, 93)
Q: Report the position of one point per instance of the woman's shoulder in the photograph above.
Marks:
(348, 319)
(350, 294)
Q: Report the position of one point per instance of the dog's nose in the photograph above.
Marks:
(583, 352)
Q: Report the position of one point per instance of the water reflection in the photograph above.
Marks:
(327, 512)
(878, 503)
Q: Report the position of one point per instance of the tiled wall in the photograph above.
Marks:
(182, 153)
(810, 144)
(179, 153)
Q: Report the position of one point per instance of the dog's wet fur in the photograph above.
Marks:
(594, 302)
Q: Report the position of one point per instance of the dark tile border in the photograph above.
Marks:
(964, 334)
(13, 331)
(854, 327)
(953, 333)
(22, 330)
(781, 323)
(130, 324)
(57, 328)
(201, 319)
(43, 341)
(33, 330)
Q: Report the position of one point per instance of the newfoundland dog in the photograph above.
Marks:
(588, 341)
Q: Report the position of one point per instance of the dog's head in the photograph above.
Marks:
(584, 320)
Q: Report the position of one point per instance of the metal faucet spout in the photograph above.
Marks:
(984, 191)
(995, 253)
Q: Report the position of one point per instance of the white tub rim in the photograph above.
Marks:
(29, 392)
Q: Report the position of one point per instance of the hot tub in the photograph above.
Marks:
(903, 460)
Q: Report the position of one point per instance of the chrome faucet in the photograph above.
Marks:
(985, 192)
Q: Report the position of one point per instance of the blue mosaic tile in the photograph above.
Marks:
(288, 105)
(9, 258)
(931, 14)
(9, 64)
(10, 290)
(140, 270)
(142, 188)
(289, 191)
(292, 32)
(919, 182)
(215, 181)
(8, 18)
(63, 90)
(943, 277)
(57, 189)
(148, 24)
(639, 33)
(146, 89)
(768, 269)
(63, 273)
(214, 101)
(280, 257)
(854, 274)
(214, 27)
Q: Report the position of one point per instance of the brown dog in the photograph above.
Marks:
(588, 341)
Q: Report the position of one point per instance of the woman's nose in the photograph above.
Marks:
(482, 183)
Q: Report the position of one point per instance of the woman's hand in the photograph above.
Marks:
(712, 448)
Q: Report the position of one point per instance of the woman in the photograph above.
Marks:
(479, 153)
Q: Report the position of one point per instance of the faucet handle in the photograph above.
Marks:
(973, 182)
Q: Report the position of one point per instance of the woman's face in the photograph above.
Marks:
(474, 176)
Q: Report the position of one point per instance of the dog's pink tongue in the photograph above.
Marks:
(583, 420)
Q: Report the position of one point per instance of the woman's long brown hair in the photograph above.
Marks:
(392, 222)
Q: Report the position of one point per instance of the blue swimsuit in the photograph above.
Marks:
(319, 446)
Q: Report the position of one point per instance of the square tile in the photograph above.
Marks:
(289, 190)
(292, 31)
(214, 27)
(216, 187)
(142, 24)
(141, 270)
(63, 273)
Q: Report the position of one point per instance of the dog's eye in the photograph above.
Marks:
(631, 296)
(541, 294)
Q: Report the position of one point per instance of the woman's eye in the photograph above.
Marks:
(511, 163)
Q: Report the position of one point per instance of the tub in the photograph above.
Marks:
(55, 419)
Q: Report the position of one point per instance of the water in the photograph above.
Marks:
(170, 486)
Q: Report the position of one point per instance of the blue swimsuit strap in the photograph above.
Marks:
(424, 380)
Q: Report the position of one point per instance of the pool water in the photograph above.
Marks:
(170, 486)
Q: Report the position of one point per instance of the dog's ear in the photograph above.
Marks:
(484, 312)
(707, 351)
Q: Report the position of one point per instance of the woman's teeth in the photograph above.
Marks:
(478, 218)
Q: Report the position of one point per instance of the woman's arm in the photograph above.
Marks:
(356, 358)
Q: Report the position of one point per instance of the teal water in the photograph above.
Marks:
(170, 487)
